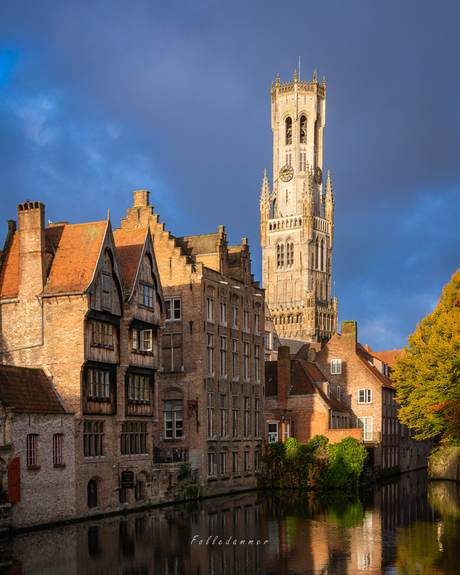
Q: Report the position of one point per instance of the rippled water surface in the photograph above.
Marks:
(404, 527)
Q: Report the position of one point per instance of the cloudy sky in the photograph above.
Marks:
(99, 98)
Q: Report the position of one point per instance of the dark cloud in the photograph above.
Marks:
(100, 98)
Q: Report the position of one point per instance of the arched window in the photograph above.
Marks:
(289, 254)
(303, 130)
(92, 494)
(288, 131)
(322, 255)
(280, 256)
(316, 253)
(317, 126)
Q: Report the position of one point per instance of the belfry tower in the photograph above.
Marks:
(296, 218)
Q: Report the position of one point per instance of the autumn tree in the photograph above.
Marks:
(427, 377)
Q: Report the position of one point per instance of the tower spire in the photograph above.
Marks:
(265, 194)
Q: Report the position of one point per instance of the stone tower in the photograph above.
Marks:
(296, 219)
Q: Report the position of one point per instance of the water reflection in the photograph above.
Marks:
(403, 527)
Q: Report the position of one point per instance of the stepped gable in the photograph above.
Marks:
(77, 251)
(364, 355)
(9, 273)
(199, 245)
(28, 390)
(130, 244)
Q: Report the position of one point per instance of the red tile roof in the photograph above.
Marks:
(130, 244)
(9, 274)
(28, 390)
(382, 379)
(77, 250)
(304, 379)
(389, 357)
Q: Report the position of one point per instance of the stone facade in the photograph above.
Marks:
(296, 220)
(211, 389)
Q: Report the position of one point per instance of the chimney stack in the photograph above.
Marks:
(283, 372)
(350, 332)
(31, 226)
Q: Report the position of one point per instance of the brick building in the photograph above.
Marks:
(367, 388)
(85, 305)
(211, 389)
(37, 450)
(302, 402)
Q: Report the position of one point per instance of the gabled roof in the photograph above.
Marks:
(302, 353)
(9, 274)
(389, 357)
(28, 390)
(130, 244)
(363, 356)
(304, 380)
(77, 249)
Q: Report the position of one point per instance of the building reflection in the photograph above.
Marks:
(392, 525)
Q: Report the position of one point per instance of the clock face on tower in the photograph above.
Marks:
(286, 173)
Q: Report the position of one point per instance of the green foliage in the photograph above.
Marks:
(427, 377)
(185, 470)
(315, 467)
(192, 491)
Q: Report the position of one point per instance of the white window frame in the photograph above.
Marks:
(273, 432)
(173, 414)
(336, 366)
(366, 423)
(364, 395)
(267, 340)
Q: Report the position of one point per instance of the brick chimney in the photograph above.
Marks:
(32, 269)
(283, 372)
(350, 333)
(138, 216)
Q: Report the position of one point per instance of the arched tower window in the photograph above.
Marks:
(316, 253)
(290, 254)
(288, 131)
(316, 141)
(322, 255)
(303, 130)
(280, 255)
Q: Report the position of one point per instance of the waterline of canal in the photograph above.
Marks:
(405, 526)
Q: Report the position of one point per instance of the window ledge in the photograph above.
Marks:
(248, 474)
(32, 467)
(102, 345)
(225, 438)
(143, 352)
(213, 438)
(58, 464)
(212, 478)
(225, 477)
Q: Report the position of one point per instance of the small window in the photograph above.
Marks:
(365, 396)
(210, 355)
(257, 363)
(139, 388)
(210, 309)
(98, 384)
(246, 320)
(223, 464)
(146, 295)
(173, 413)
(58, 444)
(93, 432)
(246, 361)
(235, 317)
(173, 309)
(210, 464)
(257, 324)
(142, 340)
(247, 467)
(32, 450)
(223, 356)
(267, 340)
(336, 366)
(223, 313)
(133, 438)
(273, 432)
(235, 462)
(101, 334)
(106, 285)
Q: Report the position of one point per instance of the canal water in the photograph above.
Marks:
(406, 526)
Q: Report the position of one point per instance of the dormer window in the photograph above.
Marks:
(146, 298)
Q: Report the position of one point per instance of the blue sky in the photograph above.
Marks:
(100, 98)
